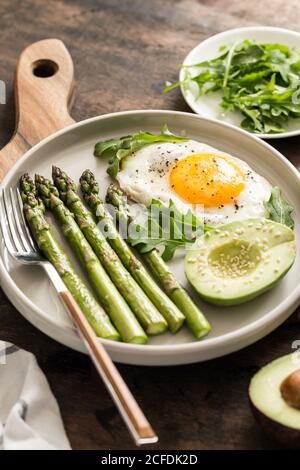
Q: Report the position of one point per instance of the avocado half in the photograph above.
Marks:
(239, 261)
(274, 394)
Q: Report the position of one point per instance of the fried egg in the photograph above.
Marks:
(195, 176)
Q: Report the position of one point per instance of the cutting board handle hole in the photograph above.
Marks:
(44, 68)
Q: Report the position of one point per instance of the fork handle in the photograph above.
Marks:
(123, 398)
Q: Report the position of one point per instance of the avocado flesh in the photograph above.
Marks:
(239, 261)
(265, 394)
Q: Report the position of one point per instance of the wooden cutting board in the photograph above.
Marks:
(44, 85)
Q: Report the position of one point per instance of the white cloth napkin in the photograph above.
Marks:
(29, 414)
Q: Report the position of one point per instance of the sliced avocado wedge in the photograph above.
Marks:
(239, 261)
(268, 391)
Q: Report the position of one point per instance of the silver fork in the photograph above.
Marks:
(20, 245)
(17, 238)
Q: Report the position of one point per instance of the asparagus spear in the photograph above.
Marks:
(194, 317)
(145, 311)
(114, 304)
(167, 308)
(34, 211)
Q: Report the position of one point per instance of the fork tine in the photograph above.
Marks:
(18, 221)
(7, 237)
(11, 221)
(26, 231)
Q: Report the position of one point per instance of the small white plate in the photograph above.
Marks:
(233, 328)
(208, 105)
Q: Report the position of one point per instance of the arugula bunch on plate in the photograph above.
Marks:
(279, 209)
(161, 225)
(117, 149)
(165, 225)
(262, 81)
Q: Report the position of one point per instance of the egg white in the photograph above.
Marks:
(144, 175)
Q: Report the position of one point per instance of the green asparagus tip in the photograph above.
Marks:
(113, 188)
(88, 183)
(45, 185)
(29, 194)
(115, 196)
(110, 192)
(62, 181)
(45, 189)
(26, 184)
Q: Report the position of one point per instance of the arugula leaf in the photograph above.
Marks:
(228, 64)
(117, 149)
(261, 81)
(279, 209)
(166, 226)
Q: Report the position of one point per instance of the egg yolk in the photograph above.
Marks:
(207, 179)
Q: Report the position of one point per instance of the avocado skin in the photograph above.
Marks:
(287, 437)
(244, 298)
(275, 416)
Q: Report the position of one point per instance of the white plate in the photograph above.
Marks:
(233, 328)
(208, 105)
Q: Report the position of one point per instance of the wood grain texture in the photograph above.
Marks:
(43, 91)
(123, 52)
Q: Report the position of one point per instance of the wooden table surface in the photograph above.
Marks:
(123, 52)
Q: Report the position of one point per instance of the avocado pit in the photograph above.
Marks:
(290, 389)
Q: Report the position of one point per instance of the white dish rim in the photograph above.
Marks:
(290, 302)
